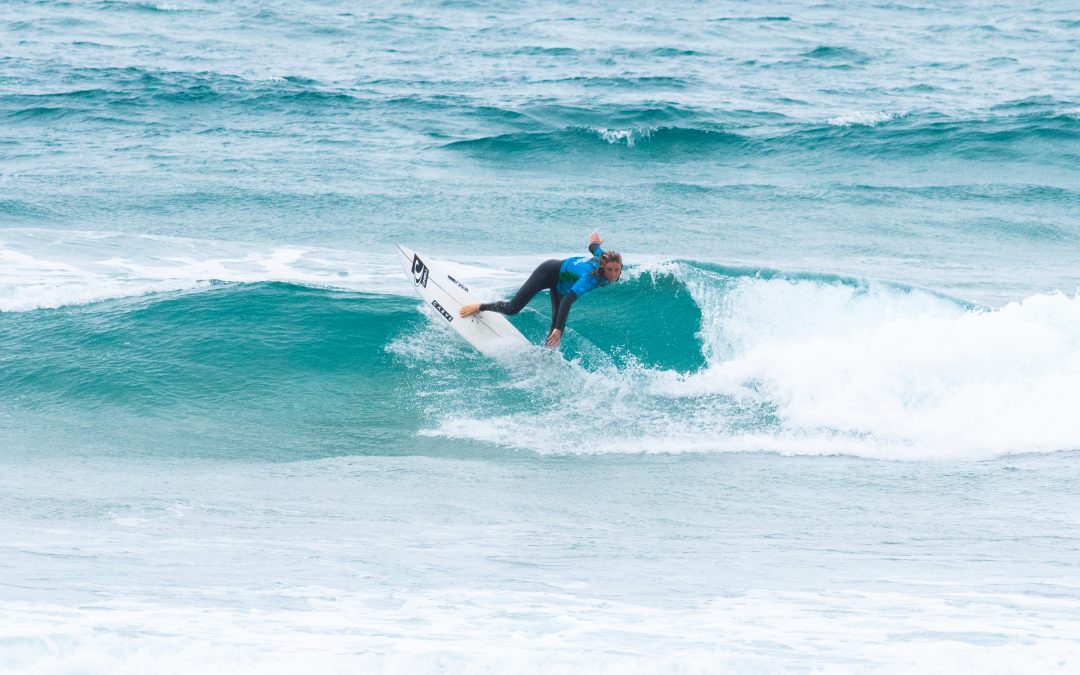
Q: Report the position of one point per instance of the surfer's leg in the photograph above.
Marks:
(544, 276)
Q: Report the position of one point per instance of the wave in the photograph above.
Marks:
(152, 7)
(865, 119)
(640, 83)
(683, 356)
(820, 366)
(1043, 128)
(750, 19)
(39, 113)
(593, 140)
(124, 92)
(1049, 134)
(828, 53)
(655, 115)
(131, 88)
(18, 208)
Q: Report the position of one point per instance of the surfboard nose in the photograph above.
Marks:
(448, 299)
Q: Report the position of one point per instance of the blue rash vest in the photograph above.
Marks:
(568, 280)
(577, 276)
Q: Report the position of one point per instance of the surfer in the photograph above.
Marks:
(567, 280)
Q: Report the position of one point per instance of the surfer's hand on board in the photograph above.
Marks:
(469, 310)
(554, 338)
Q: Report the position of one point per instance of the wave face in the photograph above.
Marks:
(681, 356)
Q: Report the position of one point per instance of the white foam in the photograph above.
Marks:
(42, 269)
(866, 119)
(812, 367)
(914, 375)
(427, 348)
(628, 136)
(480, 630)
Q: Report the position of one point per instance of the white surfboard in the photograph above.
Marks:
(489, 332)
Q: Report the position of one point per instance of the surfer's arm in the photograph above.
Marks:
(594, 244)
(583, 286)
(564, 310)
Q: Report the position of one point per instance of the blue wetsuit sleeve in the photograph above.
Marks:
(595, 249)
(564, 310)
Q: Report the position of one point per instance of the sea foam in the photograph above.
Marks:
(824, 367)
(527, 632)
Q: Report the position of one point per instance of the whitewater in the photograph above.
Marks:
(825, 422)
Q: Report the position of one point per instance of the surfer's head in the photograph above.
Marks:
(610, 266)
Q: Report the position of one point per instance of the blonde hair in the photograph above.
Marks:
(609, 257)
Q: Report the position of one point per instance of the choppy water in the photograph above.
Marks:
(827, 421)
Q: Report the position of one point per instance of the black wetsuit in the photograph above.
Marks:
(547, 275)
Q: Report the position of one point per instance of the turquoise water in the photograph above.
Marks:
(826, 422)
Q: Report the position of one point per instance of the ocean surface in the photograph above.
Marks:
(827, 421)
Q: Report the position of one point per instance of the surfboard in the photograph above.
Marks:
(489, 332)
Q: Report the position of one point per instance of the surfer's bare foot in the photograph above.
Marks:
(469, 310)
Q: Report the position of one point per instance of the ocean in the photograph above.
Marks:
(826, 421)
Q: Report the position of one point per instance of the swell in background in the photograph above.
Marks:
(932, 145)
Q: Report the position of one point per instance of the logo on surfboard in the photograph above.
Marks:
(460, 285)
(446, 314)
(419, 271)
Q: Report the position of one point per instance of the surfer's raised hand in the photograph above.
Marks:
(554, 338)
(594, 238)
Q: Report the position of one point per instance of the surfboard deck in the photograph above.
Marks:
(489, 332)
